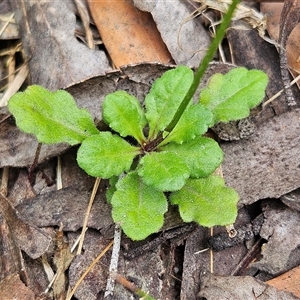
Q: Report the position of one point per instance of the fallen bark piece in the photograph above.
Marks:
(292, 199)
(66, 206)
(288, 281)
(215, 287)
(265, 165)
(10, 254)
(281, 229)
(29, 238)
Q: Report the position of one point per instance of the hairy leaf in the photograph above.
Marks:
(202, 155)
(124, 114)
(137, 207)
(206, 201)
(194, 122)
(165, 96)
(164, 171)
(105, 155)
(52, 117)
(231, 96)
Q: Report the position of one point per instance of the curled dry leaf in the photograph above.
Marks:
(185, 37)
(56, 58)
(290, 28)
(130, 35)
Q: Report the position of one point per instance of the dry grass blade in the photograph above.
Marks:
(69, 296)
(84, 225)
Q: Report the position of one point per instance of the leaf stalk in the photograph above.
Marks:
(204, 64)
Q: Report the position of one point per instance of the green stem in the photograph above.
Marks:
(204, 64)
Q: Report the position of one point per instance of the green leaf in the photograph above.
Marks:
(206, 201)
(124, 114)
(52, 117)
(105, 155)
(194, 122)
(231, 96)
(165, 96)
(163, 171)
(137, 207)
(202, 155)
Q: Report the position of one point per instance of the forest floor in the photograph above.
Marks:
(44, 198)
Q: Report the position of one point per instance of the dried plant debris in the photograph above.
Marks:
(290, 17)
(66, 206)
(263, 166)
(62, 260)
(222, 240)
(29, 238)
(215, 287)
(281, 229)
(253, 18)
(292, 199)
(47, 33)
(186, 43)
(10, 254)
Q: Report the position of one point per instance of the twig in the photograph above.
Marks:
(87, 214)
(88, 270)
(113, 267)
(280, 92)
(131, 287)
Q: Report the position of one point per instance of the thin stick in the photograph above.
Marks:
(113, 267)
(87, 214)
(58, 174)
(4, 181)
(11, 18)
(88, 270)
(280, 92)
(131, 287)
(211, 253)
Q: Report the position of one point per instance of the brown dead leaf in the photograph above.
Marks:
(273, 12)
(129, 35)
(288, 281)
(29, 238)
(13, 288)
(215, 287)
(62, 260)
(185, 37)
(56, 58)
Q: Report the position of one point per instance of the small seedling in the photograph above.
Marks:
(141, 158)
(158, 153)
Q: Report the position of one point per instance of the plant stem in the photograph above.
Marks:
(204, 64)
